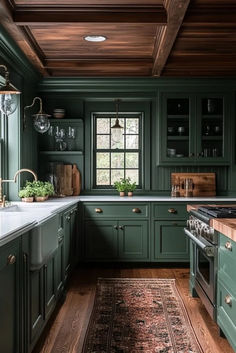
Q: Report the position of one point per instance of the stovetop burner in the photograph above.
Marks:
(219, 212)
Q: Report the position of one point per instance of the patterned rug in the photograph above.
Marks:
(139, 316)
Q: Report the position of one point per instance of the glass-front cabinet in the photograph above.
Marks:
(193, 129)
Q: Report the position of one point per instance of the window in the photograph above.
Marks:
(114, 160)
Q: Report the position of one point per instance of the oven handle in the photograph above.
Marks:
(208, 250)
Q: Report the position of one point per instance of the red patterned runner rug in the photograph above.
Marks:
(139, 316)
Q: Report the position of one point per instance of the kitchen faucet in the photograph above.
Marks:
(3, 198)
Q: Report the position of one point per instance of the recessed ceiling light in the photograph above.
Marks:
(94, 38)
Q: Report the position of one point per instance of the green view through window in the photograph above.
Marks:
(114, 160)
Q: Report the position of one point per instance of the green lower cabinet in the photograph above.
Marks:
(133, 240)
(70, 240)
(170, 242)
(50, 290)
(101, 240)
(60, 272)
(10, 297)
(36, 304)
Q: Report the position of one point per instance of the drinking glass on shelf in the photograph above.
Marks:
(60, 135)
(71, 137)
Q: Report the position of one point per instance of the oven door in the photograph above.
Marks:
(205, 273)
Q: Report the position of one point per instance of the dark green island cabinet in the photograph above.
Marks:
(135, 231)
(226, 288)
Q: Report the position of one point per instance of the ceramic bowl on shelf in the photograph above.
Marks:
(59, 113)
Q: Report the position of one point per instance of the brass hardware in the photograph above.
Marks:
(228, 300)
(115, 227)
(98, 210)
(68, 218)
(172, 210)
(228, 245)
(11, 259)
(121, 227)
(136, 210)
(14, 181)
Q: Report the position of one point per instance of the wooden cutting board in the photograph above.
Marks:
(76, 180)
(204, 183)
(68, 190)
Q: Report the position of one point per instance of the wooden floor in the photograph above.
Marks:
(66, 329)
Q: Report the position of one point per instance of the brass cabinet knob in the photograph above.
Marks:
(98, 210)
(121, 227)
(136, 210)
(68, 218)
(228, 245)
(228, 300)
(172, 210)
(116, 227)
(11, 259)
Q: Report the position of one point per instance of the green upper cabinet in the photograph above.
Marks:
(193, 129)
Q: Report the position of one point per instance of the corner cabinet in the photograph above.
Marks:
(194, 129)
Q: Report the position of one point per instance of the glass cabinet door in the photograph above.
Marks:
(177, 129)
(211, 114)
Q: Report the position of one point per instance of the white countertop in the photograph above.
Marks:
(29, 215)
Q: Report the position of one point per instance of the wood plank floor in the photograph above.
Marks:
(66, 330)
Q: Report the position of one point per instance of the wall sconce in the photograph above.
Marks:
(41, 121)
(8, 95)
(117, 128)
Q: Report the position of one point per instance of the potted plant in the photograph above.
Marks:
(120, 186)
(42, 190)
(130, 187)
(27, 194)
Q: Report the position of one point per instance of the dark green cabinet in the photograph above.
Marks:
(70, 239)
(50, 289)
(60, 272)
(10, 297)
(133, 240)
(123, 240)
(194, 128)
(170, 242)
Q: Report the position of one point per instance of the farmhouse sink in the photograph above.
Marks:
(43, 241)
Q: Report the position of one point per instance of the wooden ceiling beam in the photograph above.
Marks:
(176, 10)
(79, 64)
(99, 14)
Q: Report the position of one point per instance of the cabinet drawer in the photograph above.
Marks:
(170, 211)
(227, 257)
(116, 211)
(226, 313)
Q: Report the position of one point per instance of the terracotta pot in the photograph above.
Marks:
(122, 193)
(130, 193)
(41, 198)
(27, 199)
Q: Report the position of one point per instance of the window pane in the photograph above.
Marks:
(103, 177)
(117, 160)
(103, 160)
(132, 142)
(116, 174)
(132, 126)
(133, 174)
(103, 141)
(131, 160)
(103, 126)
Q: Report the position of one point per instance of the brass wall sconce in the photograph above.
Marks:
(41, 121)
(8, 95)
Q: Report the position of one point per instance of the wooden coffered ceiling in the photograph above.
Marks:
(144, 37)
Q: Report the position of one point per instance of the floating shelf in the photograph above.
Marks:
(178, 116)
(177, 138)
(212, 138)
(212, 116)
(54, 153)
(63, 121)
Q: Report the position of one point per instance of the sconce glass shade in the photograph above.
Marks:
(41, 122)
(8, 95)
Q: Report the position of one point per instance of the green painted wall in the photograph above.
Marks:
(80, 97)
(20, 149)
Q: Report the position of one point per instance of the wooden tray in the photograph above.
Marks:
(204, 183)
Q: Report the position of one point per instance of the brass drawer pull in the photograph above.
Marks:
(228, 246)
(172, 210)
(98, 210)
(228, 300)
(136, 210)
(11, 259)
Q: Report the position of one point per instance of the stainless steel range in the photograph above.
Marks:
(205, 244)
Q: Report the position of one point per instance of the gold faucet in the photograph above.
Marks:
(3, 198)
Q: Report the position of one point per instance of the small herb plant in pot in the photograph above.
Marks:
(120, 186)
(130, 187)
(42, 190)
(27, 194)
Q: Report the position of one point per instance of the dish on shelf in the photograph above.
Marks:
(59, 113)
(179, 155)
